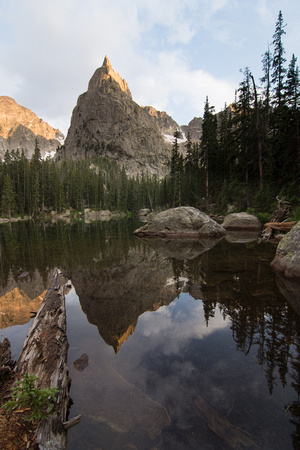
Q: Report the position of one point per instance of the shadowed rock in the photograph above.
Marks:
(287, 258)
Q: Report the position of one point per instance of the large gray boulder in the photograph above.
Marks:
(287, 258)
(241, 221)
(181, 222)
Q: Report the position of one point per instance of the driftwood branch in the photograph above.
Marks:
(71, 423)
(270, 227)
(44, 354)
(281, 226)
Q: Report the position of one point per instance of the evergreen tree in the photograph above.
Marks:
(279, 70)
(176, 173)
(266, 80)
(292, 90)
(35, 176)
(8, 197)
(244, 144)
(209, 149)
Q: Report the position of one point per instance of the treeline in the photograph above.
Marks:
(250, 152)
(32, 187)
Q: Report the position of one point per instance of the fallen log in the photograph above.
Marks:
(281, 226)
(234, 436)
(44, 354)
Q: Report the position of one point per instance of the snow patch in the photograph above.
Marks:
(49, 155)
(170, 138)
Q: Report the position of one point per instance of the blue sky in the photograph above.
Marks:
(172, 53)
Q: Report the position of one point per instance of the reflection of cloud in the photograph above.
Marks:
(178, 323)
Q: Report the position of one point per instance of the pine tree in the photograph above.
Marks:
(8, 197)
(266, 80)
(292, 88)
(243, 142)
(279, 70)
(209, 148)
(35, 176)
(176, 173)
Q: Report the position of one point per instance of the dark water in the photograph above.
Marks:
(186, 345)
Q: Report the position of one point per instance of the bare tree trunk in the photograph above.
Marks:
(258, 135)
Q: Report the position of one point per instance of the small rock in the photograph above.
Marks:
(81, 363)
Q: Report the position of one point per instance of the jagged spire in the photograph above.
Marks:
(106, 62)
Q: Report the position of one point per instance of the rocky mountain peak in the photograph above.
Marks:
(107, 122)
(106, 62)
(20, 127)
(105, 75)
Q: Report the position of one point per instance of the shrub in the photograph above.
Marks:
(296, 214)
(264, 217)
(25, 395)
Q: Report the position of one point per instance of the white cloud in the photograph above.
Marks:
(172, 53)
(180, 91)
(175, 325)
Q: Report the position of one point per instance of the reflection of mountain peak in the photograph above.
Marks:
(113, 299)
(123, 338)
(16, 306)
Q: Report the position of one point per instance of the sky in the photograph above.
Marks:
(172, 53)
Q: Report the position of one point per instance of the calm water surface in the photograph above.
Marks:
(173, 345)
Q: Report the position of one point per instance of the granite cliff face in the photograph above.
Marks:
(20, 128)
(194, 128)
(165, 123)
(107, 122)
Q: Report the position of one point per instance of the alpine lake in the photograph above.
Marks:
(172, 344)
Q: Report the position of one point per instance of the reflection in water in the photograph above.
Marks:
(192, 345)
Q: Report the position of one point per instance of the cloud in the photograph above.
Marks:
(179, 90)
(172, 327)
(172, 53)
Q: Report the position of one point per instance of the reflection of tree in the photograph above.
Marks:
(294, 408)
(27, 246)
(241, 286)
(270, 330)
(178, 269)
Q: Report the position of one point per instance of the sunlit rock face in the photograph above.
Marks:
(16, 308)
(21, 296)
(166, 124)
(107, 122)
(20, 128)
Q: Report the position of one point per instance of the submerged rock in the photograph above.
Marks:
(241, 221)
(184, 221)
(287, 258)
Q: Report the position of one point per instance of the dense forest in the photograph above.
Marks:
(248, 154)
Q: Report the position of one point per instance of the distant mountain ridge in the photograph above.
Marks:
(20, 128)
